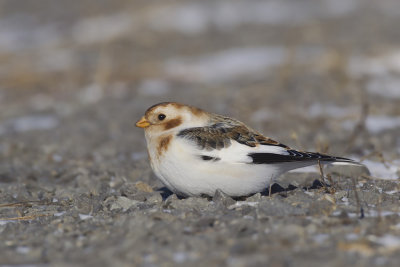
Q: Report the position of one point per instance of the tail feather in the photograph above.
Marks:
(296, 156)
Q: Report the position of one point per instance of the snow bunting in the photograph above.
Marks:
(194, 152)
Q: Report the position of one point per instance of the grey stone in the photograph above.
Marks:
(220, 198)
(277, 208)
(122, 203)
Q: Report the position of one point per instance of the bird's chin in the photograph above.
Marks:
(152, 132)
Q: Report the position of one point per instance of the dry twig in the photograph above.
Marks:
(24, 218)
(360, 126)
(359, 207)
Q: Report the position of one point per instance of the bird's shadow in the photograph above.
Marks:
(275, 189)
(166, 193)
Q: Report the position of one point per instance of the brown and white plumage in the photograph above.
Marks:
(194, 152)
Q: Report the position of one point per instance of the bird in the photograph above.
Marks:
(194, 152)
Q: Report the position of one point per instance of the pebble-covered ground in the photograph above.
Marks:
(76, 187)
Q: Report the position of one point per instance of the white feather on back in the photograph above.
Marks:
(237, 152)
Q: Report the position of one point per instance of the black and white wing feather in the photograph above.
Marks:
(220, 141)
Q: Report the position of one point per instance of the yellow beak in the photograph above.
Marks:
(143, 123)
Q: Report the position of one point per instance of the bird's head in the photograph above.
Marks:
(171, 116)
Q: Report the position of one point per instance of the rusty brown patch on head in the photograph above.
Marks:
(176, 105)
(153, 107)
(196, 111)
(163, 144)
(164, 104)
(173, 123)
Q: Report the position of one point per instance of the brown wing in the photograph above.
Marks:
(220, 135)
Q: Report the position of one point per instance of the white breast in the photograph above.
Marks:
(183, 171)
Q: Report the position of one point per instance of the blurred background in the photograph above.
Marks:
(316, 75)
(319, 75)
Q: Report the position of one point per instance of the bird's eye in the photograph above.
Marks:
(161, 117)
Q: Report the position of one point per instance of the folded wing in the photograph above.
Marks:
(230, 140)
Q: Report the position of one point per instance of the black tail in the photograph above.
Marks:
(295, 156)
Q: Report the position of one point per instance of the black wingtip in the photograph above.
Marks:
(270, 158)
(294, 156)
(208, 158)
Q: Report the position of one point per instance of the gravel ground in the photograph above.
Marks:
(76, 187)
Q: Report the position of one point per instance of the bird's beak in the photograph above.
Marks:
(142, 123)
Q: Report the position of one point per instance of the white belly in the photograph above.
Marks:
(184, 172)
